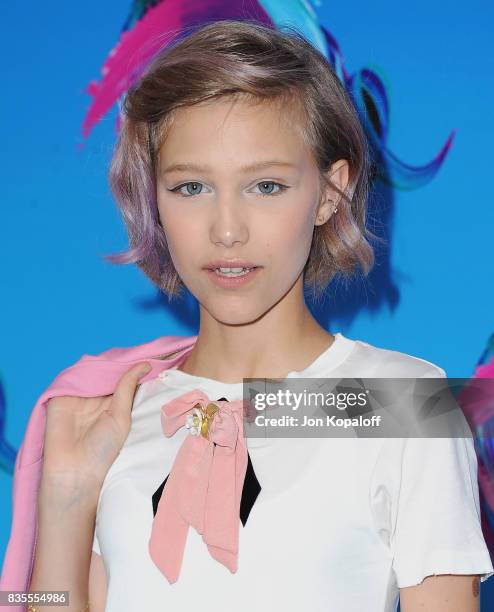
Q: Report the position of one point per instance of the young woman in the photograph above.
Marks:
(242, 173)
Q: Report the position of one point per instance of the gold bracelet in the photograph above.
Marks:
(31, 608)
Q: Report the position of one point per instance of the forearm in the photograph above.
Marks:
(66, 515)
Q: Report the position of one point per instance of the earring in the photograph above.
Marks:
(321, 219)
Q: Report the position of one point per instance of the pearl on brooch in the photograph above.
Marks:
(193, 422)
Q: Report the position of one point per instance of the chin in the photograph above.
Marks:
(234, 313)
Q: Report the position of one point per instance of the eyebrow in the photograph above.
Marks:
(248, 168)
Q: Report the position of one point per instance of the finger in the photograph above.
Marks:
(124, 393)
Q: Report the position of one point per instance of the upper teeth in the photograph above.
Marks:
(235, 270)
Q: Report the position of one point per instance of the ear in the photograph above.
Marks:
(338, 174)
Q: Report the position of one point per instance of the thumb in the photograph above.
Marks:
(124, 393)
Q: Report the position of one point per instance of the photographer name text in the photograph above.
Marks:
(327, 421)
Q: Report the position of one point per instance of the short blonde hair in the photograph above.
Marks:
(242, 58)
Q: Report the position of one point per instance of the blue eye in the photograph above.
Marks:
(191, 192)
(271, 184)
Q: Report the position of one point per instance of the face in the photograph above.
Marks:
(236, 182)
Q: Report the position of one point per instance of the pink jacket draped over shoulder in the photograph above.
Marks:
(90, 376)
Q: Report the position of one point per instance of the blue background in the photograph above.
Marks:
(60, 299)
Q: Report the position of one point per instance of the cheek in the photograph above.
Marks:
(181, 234)
(291, 235)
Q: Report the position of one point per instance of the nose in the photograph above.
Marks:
(229, 222)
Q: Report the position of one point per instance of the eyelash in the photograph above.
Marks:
(281, 189)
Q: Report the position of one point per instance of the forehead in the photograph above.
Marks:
(235, 125)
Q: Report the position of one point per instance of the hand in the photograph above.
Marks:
(83, 436)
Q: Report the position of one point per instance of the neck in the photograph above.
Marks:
(285, 338)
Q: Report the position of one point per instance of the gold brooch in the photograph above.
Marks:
(199, 422)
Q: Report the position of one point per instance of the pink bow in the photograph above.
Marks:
(204, 487)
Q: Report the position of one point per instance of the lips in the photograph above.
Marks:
(230, 263)
(233, 281)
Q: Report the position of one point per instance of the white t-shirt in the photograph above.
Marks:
(340, 524)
